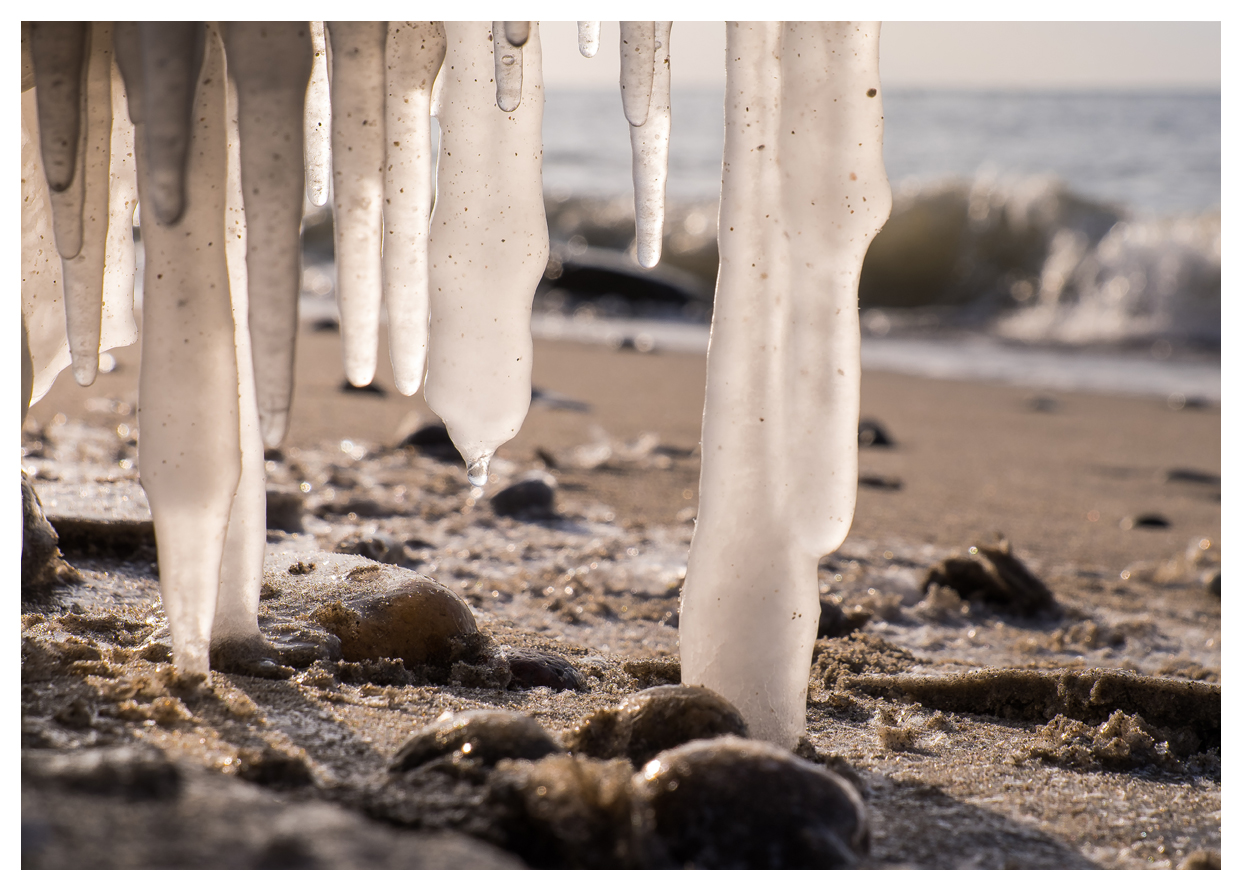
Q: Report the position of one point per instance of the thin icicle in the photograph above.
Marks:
(508, 63)
(517, 33)
(59, 51)
(118, 327)
(489, 247)
(172, 54)
(413, 56)
(637, 69)
(84, 273)
(190, 460)
(236, 622)
(358, 84)
(588, 38)
(270, 63)
(649, 148)
(317, 124)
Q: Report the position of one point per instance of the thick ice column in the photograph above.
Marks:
(190, 454)
(649, 148)
(489, 247)
(317, 123)
(804, 193)
(241, 569)
(172, 57)
(358, 85)
(270, 63)
(637, 69)
(588, 39)
(412, 56)
(59, 51)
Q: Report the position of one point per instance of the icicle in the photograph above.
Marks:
(236, 622)
(804, 193)
(317, 124)
(172, 54)
(270, 63)
(517, 33)
(357, 83)
(637, 69)
(83, 274)
(489, 246)
(117, 327)
(508, 63)
(649, 147)
(27, 59)
(190, 459)
(59, 51)
(588, 38)
(413, 56)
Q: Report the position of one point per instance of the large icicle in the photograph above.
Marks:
(59, 51)
(507, 58)
(637, 70)
(84, 272)
(412, 56)
(235, 638)
(588, 38)
(172, 54)
(190, 459)
(489, 247)
(270, 63)
(804, 193)
(317, 123)
(358, 84)
(649, 148)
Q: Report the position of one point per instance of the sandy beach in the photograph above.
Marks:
(1112, 502)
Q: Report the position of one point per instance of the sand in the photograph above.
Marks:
(1063, 476)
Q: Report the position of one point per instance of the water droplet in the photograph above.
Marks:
(477, 471)
(506, 60)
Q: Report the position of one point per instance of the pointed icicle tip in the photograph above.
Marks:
(476, 472)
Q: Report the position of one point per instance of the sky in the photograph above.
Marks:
(994, 55)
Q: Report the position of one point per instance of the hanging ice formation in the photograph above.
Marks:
(232, 125)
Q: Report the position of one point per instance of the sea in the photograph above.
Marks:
(1066, 240)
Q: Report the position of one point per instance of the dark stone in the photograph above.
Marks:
(993, 576)
(433, 441)
(836, 622)
(532, 668)
(43, 566)
(1201, 859)
(1183, 475)
(326, 324)
(371, 389)
(557, 401)
(1145, 521)
(275, 769)
(652, 720)
(883, 483)
(743, 804)
(379, 547)
(284, 508)
(484, 737)
(872, 434)
(1213, 583)
(533, 496)
(136, 773)
(1044, 404)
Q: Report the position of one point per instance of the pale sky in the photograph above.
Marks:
(993, 55)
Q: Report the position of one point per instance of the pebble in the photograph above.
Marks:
(433, 440)
(872, 434)
(378, 546)
(1145, 521)
(883, 483)
(836, 622)
(743, 804)
(994, 576)
(533, 496)
(1213, 583)
(371, 389)
(534, 668)
(417, 620)
(284, 508)
(481, 736)
(652, 720)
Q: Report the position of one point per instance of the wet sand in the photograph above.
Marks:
(1060, 475)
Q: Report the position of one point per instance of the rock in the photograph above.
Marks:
(652, 720)
(132, 772)
(433, 440)
(1213, 583)
(995, 577)
(284, 508)
(369, 389)
(533, 495)
(110, 518)
(1201, 859)
(883, 483)
(484, 737)
(418, 621)
(564, 811)
(378, 546)
(533, 668)
(872, 434)
(744, 804)
(836, 622)
(1145, 521)
(43, 566)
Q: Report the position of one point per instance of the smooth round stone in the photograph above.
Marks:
(743, 804)
(533, 495)
(534, 668)
(415, 621)
(652, 720)
(483, 736)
